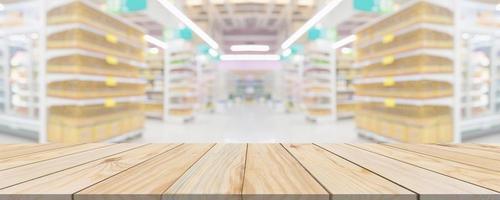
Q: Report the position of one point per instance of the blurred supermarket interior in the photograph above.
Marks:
(259, 71)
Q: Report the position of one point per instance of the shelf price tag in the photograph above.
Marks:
(388, 60)
(389, 81)
(111, 60)
(388, 38)
(109, 103)
(111, 82)
(111, 38)
(390, 103)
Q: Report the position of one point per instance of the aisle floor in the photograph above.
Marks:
(254, 124)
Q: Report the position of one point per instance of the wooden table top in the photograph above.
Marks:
(249, 171)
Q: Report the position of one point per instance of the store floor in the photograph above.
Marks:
(252, 123)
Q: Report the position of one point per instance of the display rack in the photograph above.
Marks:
(406, 89)
(19, 77)
(155, 59)
(292, 76)
(346, 73)
(93, 60)
(181, 83)
(479, 35)
(207, 77)
(319, 83)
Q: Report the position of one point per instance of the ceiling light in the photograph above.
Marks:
(253, 48)
(189, 23)
(348, 40)
(287, 52)
(250, 57)
(155, 41)
(213, 53)
(309, 24)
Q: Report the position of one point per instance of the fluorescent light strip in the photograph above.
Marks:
(252, 48)
(155, 41)
(348, 40)
(250, 57)
(189, 23)
(309, 24)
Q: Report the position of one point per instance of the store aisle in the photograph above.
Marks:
(252, 123)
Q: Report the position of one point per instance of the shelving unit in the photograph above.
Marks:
(293, 70)
(346, 73)
(479, 40)
(95, 92)
(207, 77)
(181, 83)
(19, 77)
(406, 89)
(319, 83)
(154, 74)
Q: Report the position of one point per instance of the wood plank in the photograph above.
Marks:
(474, 152)
(9, 147)
(452, 155)
(484, 147)
(217, 175)
(62, 185)
(17, 161)
(149, 180)
(478, 176)
(429, 185)
(272, 173)
(343, 179)
(21, 174)
(29, 149)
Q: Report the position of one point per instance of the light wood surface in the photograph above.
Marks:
(272, 173)
(447, 154)
(218, 175)
(343, 179)
(249, 171)
(428, 184)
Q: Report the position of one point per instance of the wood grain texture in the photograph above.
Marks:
(149, 180)
(452, 155)
(272, 173)
(473, 152)
(475, 175)
(17, 161)
(429, 185)
(343, 179)
(21, 174)
(218, 175)
(28, 149)
(8, 147)
(62, 185)
(484, 147)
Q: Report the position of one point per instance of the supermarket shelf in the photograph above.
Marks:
(447, 101)
(154, 115)
(53, 29)
(20, 123)
(56, 77)
(126, 137)
(19, 30)
(448, 29)
(318, 94)
(345, 91)
(346, 102)
(53, 101)
(414, 77)
(181, 94)
(345, 115)
(53, 53)
(318, 106)
(445, 53)
(374, 136)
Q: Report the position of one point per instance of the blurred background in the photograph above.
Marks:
(301, 71)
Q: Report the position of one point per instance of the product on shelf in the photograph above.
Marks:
(419, 64)
(408, 90)
(414, 124)
(415, 13)
(77, 64)
(92, 89)
(81, 12)
(84, 124)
